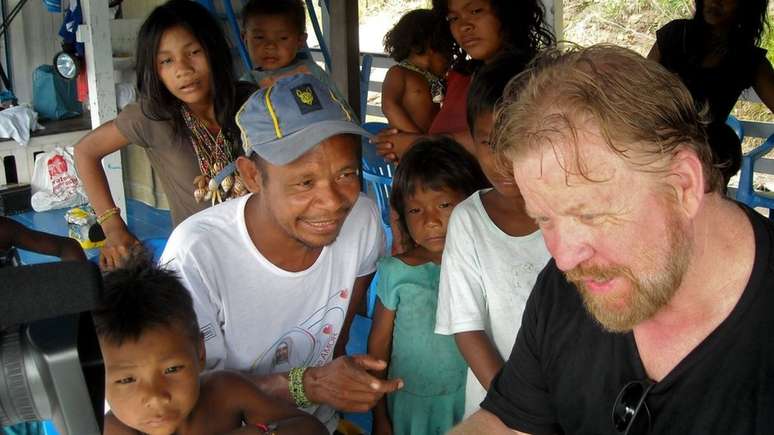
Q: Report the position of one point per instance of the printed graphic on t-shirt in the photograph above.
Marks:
(310, 343)
(524, 276)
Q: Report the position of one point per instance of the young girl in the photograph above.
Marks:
(716, 55)
(413, 89)
(434, 176)
(481, 29)
(184, 119)
(494, 250)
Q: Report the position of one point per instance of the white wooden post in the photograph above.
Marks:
(345, 50)
(95, 34)
(325, 16)
(554, 16)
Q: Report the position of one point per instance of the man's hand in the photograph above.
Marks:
(391, 143)
(345, 384)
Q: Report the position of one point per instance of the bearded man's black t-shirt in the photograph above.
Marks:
(565, 371)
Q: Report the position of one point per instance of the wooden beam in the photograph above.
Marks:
(554, 16)
(345, 50)
(95, 34)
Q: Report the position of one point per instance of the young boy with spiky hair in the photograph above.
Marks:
(154, 356)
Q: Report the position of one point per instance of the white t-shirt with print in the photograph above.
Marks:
(256, 317)
(486, 278)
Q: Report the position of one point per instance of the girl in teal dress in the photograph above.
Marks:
(433, 177)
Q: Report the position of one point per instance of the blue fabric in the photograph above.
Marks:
(54, 97)
(72, 19)
(30, 428)
(53, 5)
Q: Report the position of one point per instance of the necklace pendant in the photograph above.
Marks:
(199, 194)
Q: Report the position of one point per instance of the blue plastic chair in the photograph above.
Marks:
(746, 193)
(377, 174)
(318, 32)
(735, 125)
(365, 79)
(232, 24)
(377, 182)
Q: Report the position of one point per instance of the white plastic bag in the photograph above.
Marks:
(55, 183)
(17, 122)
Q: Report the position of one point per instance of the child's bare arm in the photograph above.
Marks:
(393, 88)
(380, 346)
(481, 355)
(356, 305)
(89, 152)
(15, 234)
(256, 407)
(380, 339)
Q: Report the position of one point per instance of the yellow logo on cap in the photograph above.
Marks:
(305, 95)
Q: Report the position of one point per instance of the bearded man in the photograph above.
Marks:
(656, 313)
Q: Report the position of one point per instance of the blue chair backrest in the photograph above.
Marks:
(746, 192)
(365, 78)
(735, 125)
(232, 25)
(377, 173)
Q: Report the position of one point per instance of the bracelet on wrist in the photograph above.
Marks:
(296, 386)
(115, 211)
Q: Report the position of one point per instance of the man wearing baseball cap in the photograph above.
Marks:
(276, 275)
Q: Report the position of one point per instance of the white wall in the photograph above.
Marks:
(34, 41)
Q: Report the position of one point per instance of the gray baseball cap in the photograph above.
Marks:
(282, 122)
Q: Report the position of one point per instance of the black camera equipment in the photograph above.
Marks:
(50, 364)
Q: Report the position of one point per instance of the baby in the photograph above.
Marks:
(413, 89)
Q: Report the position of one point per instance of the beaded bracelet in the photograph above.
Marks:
(296, 386)
(108, 214)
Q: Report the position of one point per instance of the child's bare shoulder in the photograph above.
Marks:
(412, 78)
(225, 393)
(395, 78)
(223, 383)
(397, 71)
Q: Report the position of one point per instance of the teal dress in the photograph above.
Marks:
(433, 371)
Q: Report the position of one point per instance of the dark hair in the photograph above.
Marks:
(292, 9)
(415, 32)
(141, 296)
(160, 104)
(488, 83)
(750, 21)
(261, 164)
(434, 164)
(523, 26)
